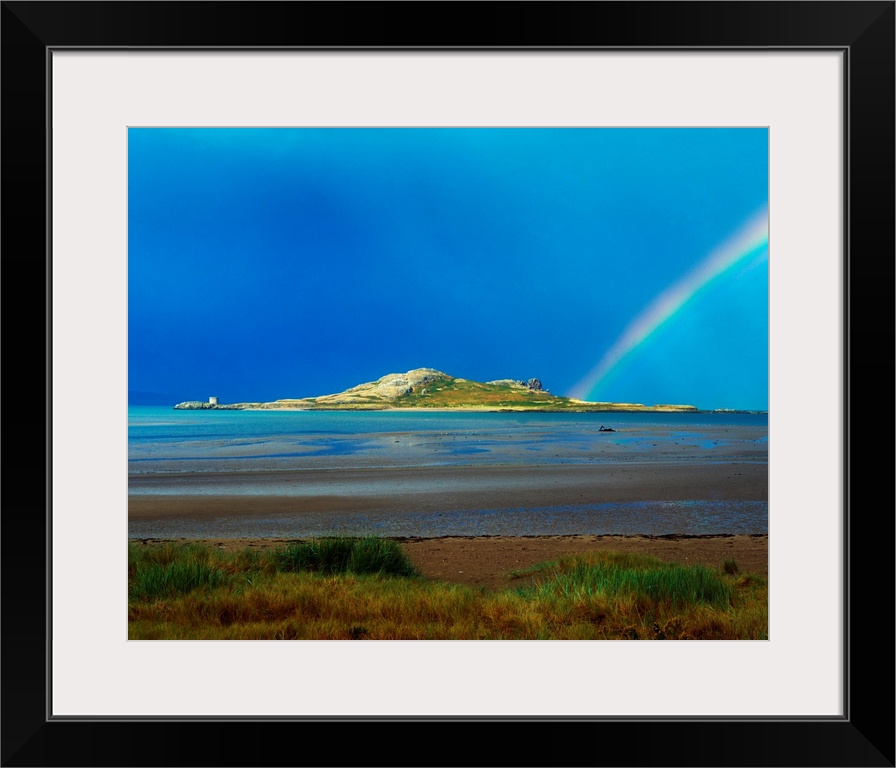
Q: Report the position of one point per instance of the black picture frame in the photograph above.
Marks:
(864, 736)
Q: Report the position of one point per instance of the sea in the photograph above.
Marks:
(251, 453)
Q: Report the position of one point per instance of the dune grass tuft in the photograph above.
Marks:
(168, 572)
(647, 580)
(366, 589)
(343, 554)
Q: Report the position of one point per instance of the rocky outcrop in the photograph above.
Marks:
(201, 405)
(532, 384)
(385, 389)
(399, 384)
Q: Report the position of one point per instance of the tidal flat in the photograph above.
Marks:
(293, 475)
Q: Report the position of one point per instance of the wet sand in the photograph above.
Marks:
(448, 486)
(629, 498)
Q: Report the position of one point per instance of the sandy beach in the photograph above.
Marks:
(433, 502)
(442, 487)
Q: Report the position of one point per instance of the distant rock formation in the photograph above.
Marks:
(385, 389)
(399, 384)
(532, 384)
(202, 405)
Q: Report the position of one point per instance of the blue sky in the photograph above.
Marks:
(274, 263)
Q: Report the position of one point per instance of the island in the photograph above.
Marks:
(429, 389)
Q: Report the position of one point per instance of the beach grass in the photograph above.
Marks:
(345, 588)
(366, 554)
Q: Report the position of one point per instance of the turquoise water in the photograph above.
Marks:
(165, 440)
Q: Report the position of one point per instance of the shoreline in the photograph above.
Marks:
(584, 408)
(579, 409)
(481, 409)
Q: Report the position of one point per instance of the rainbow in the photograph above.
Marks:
(748, 241)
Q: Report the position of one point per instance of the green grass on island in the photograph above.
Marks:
(429, 388)
(366, 589)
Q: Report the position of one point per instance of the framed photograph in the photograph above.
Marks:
(772, 123)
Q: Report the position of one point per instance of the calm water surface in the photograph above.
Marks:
(165, 445)
(165, 440)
